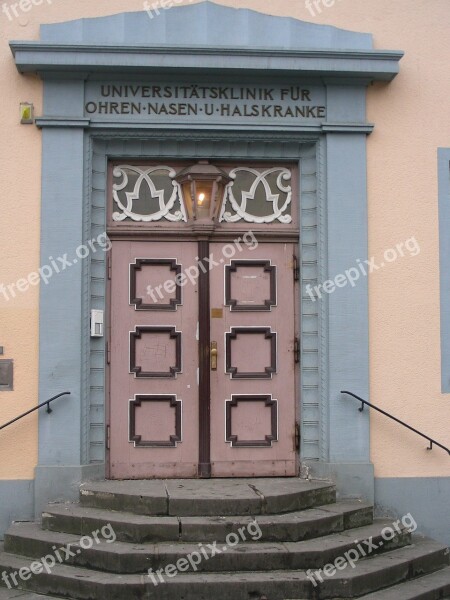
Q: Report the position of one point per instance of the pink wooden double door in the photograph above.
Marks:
(203, 360)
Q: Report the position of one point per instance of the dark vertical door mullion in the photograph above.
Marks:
(204, 467)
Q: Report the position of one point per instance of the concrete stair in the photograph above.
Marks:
(247, 539)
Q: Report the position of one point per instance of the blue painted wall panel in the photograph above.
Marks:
(444, 244)
(347, 306)
(425, 498)
(61, 298)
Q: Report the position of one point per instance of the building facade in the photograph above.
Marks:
(221, 220)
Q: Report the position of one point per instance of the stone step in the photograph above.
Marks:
(368, 576)
(128, 527)
(207, 497)
(28, 539)
(429, 587)
(6, 594)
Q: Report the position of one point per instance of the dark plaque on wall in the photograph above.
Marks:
(6, 375)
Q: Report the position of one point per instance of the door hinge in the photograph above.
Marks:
(108, 436)
(109, 264)
(297, 350)
(297, 436)
(296, 268)
(108, 353)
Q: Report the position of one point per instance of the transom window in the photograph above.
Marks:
(225, 194)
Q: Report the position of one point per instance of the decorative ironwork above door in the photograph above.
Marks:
(258, 196)
(147, 194)
(220, 197)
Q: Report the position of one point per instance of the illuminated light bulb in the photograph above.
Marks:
(201, 197)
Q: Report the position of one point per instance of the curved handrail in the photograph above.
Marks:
(47, 402)
(386, 414)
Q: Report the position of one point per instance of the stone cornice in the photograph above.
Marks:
(73, 60)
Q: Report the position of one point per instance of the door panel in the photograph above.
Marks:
(154, 359)
(253, 390)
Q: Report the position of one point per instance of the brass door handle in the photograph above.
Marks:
(213, 356)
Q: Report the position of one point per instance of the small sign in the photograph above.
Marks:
(6, 375)
(217, 313)
(26, 113)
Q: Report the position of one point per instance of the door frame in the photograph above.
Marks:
(309, 152)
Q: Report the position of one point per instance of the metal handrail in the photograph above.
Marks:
(386, 414)
(47, 402)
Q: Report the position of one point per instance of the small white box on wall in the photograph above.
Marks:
(97, 323)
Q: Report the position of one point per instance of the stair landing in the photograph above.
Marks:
(195, 497)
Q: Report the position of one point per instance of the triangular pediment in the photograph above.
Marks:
(204, 24)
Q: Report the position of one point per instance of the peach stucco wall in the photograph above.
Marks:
(412, 117)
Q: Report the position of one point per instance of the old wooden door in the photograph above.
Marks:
(202, 327)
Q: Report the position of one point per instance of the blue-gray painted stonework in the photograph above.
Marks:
(347, 306)
(16, 502)
(61, 483)
(444, 244)
(353, 479)
(218, 37)
(426, 498)
(210, 25)
(61, 298)
(332, 163)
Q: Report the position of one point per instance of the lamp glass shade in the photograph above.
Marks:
(187, 187)
(203, 186)
(203, 198)
(197, 197)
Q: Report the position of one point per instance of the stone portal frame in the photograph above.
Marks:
(333, 208)
(325, 323)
